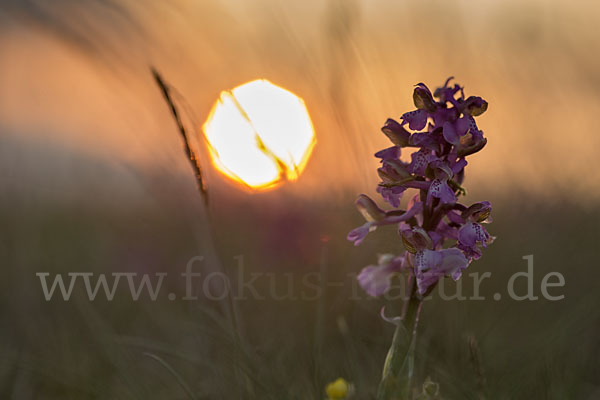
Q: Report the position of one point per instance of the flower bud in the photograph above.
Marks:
(478, 212)
(399, 168)
(386, 175)
(471, 149)
(423, 99)
(475, 106)
(369, 209)
(396, 133)
(416, 239)
(393, 171)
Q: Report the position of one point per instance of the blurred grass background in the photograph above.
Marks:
(92, 180)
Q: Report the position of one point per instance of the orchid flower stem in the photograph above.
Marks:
(399, 365)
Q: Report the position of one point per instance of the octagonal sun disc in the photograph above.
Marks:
(259, 134)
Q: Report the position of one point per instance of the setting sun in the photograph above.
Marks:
(259, 134)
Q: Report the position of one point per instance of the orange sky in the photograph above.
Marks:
(76, 76)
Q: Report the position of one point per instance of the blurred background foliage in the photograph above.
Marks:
(92, 179)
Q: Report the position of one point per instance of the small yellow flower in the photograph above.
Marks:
(337, 389)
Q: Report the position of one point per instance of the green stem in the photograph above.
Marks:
(399, 364)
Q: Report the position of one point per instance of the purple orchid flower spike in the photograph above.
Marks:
(441, 236)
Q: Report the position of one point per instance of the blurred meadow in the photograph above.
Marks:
(93, 179)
